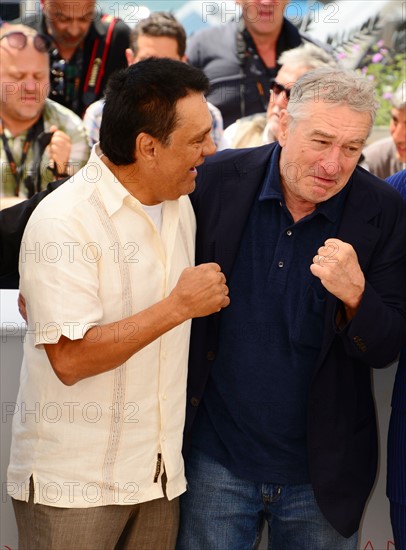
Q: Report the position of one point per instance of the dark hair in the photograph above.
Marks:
(143, 98)
(159, 23)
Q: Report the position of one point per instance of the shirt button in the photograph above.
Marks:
(288, 232)
(194, 401)
(164, 397)
(280, 264)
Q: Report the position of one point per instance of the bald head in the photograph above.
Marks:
(7, 28)
(24, 75)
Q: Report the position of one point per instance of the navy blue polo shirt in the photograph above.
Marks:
(253, 414)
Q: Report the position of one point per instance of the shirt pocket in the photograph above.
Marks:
(308, 326)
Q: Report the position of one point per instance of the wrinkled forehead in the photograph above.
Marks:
(156, 46)
(28, 59)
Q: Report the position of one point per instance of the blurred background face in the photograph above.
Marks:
(287, 77)
(154, 46)
(68, 20)
(398, 130)
(24, 82)
(263, 17)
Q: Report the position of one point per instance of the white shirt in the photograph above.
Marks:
(90, 255)
(230, 133)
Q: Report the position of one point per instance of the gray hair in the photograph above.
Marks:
(334, 87)
(307, 55)
(399, 97)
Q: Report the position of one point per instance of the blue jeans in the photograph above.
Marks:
(222, 512)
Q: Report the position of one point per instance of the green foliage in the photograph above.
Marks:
(387, 69)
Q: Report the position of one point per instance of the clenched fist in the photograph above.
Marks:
(59, 150)
(200, 291)
(336, 265)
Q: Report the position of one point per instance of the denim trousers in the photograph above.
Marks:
(220, 511)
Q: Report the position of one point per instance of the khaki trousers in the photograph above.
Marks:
(150, 525)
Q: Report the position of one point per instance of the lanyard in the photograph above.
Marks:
(17, 171)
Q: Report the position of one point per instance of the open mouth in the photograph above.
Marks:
(30, 100)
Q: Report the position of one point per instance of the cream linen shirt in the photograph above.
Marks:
(90, 255)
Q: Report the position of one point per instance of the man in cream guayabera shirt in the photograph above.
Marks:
(106, 272)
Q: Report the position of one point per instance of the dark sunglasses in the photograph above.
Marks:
(18, 40)
(278, 88)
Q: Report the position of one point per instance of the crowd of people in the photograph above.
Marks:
(208, 253)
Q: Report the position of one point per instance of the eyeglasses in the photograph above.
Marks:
(278, 88)
(18, 40)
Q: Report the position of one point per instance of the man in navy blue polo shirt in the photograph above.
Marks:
(279, 388)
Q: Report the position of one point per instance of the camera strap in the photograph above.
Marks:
(97, 63)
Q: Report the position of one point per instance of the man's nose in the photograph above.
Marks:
(75, 29)
(30, 85)
(281, 100)
(209, 147)
(331, 160)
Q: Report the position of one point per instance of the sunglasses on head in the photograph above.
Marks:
(18, 40)
(278, 88)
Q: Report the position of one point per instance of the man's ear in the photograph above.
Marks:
(283, 127)
(129, 55)
(145, 147)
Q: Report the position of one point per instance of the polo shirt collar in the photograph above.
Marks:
(272, 190)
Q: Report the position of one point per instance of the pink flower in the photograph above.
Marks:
(377, 58)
